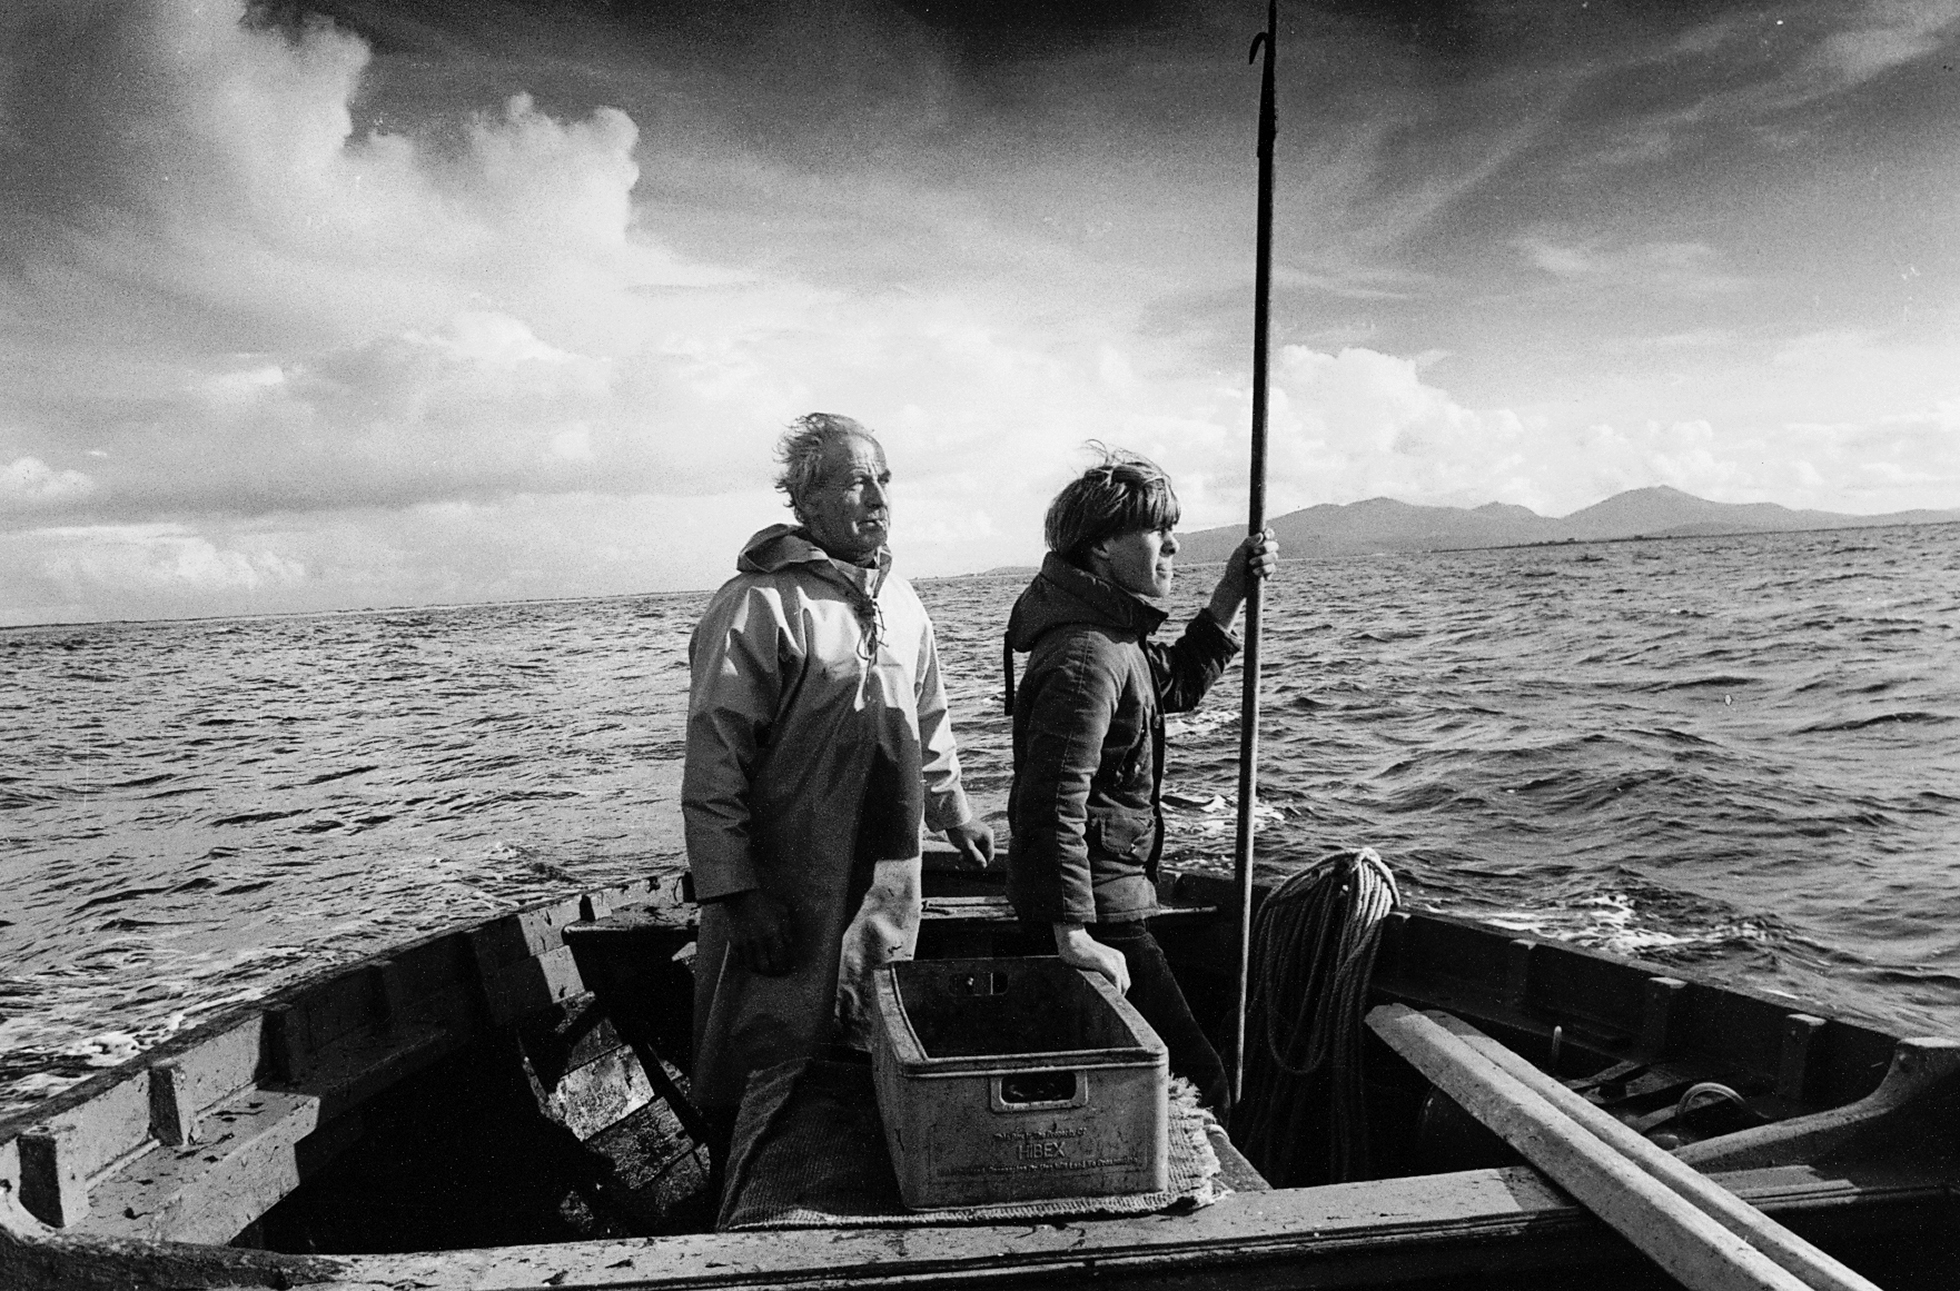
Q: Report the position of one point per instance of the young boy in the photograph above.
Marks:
(1089, 734)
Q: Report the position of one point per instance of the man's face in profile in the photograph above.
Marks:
(847, 510)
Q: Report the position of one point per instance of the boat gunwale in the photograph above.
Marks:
(1327, 1223)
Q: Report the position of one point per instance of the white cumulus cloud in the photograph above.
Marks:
(29, 480)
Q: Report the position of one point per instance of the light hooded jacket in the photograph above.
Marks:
(817, 743)
(1085, 810)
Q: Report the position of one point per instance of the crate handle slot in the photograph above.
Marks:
(976, 984)
(1039, 1091)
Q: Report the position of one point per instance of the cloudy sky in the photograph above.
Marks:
(345, 303)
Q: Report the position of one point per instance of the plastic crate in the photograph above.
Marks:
(1004, 1080)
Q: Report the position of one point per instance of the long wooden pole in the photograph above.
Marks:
(1687, 1242)
(1818, 1268)
(1255, 521)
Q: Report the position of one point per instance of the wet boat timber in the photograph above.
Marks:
(501, 1106)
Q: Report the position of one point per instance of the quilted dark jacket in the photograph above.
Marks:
(1089, 742)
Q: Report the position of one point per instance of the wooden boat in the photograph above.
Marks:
(499, 1106)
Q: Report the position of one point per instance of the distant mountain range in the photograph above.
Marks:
(1382, 524)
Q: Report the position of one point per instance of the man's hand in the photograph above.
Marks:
(761, 932)
(975, 842)
(1079, 950)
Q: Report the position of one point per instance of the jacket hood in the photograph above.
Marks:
(782, 546)
(775, 548)
(1063, 594)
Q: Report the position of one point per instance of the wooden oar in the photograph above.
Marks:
(1262, 287)
(1816, 1267)
(1685, 1241)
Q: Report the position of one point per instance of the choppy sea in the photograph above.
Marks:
(1736, 755)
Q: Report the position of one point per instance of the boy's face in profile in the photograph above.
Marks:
(1141, 562)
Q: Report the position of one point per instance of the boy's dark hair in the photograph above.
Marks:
(1122, 493)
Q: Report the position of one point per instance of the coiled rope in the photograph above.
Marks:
(1313, 952)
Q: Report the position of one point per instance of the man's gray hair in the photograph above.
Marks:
(801, 451)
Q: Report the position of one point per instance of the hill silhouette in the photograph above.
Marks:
(1383, 524)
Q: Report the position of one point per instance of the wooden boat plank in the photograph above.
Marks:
(1791, 1189)
(525, 934)
(598, 1093)
(106, 1129)
(580, 1036)
(341, 1038)
(59, 1156)
(1610, 1005)
(221, 1064)
(93, 1129)
(524, 986)
(1573, 984)
(1347, 1233)
(1923, 1070)
(1699, 1233)
(1628, 1009)
(312, 1039)
(31, 1257)
(355, 1071)
(421, 982)
(208, 1191)
(350, 1003)
(652, 891)
(1809, 1264)
(1267, 1224)
(191, 1193)
(51, 1188)
(1234, 1170)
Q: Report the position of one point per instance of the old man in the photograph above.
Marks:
(818, 742)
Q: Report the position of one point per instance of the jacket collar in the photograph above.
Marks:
(1063, 593)
(780, 546)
